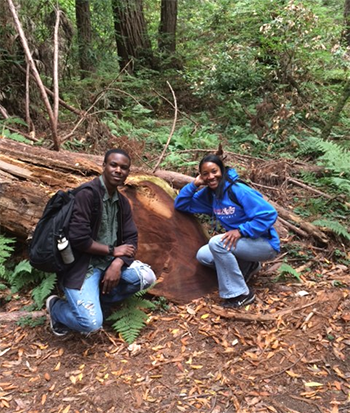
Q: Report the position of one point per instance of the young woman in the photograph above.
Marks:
(248, 220)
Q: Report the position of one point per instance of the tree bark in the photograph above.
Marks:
(131, 33)
(346, 31)
(337, 111)
(83, 18)
(168, 240)
(167, 26)
(167, 34)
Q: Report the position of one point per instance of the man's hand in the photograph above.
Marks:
(230, 238)
(125, 249)
(112, 276)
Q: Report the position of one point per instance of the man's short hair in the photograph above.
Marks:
(116, 150)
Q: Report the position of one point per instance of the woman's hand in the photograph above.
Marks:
(230, 238)
(199, 181)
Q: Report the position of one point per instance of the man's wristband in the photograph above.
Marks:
(111, 250)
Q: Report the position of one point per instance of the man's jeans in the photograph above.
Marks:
(231, 265)
(81, 310)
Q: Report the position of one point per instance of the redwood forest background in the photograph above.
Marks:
(266, 85)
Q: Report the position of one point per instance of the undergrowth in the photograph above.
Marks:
(130, 318)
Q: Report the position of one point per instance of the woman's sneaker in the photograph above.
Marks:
(57, 328)
(255, 268)
(240, 301)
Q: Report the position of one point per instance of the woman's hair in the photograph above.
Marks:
(218, 161)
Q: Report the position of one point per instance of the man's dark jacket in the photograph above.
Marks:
(84, 226)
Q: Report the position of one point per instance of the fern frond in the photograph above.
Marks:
(335, 157)
(43, 290)
(287, 269)
(342, 183)
(22, 276)
(130, 318)
(334, 226)
(5, 251)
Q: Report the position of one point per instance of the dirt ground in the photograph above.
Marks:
(288, 352)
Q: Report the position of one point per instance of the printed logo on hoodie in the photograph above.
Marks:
(225, 212)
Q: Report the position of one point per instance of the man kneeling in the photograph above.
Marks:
(104, 243)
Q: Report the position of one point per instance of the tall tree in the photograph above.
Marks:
(346, 32)
(167, 26)
(167, 33)
(83, 17)
(131, 33)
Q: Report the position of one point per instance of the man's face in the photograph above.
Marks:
(115, 170)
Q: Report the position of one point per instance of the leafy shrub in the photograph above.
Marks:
(6, 249)
(24, 277)
(333, 157)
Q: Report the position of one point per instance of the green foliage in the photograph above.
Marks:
(334, 226)
(4, 131)
(285, 270)
(24, 276)
(6, 249)
(333, 157)
(130, 318)
(31, 322)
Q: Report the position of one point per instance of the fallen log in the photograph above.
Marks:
(168, 240)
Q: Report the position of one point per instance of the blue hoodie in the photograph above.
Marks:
(253, 216)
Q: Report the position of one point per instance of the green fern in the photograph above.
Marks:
(24, 276)
(44, 289)
(131, 317)
(5, 252)
(333, 157)
(286, 269)
(334, 226)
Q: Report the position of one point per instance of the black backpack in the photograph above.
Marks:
(43, 252)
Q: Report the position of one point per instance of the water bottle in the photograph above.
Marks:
(65, 249)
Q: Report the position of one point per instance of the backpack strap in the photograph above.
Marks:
(96, 197)
(230, 191)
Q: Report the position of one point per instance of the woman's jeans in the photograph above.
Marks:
(82, 309)
(231, 265)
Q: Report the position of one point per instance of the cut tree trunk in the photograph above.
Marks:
(168, 240)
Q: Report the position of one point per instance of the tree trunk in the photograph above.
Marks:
(167, 34)
(167, 26)
(337, 111)
(83, 17)
(131, 33)
(168, 240)
(346, 31)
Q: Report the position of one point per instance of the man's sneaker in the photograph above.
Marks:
(240, 301)
(57, 328)
(255, 268)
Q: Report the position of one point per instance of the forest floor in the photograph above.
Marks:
(288, 352)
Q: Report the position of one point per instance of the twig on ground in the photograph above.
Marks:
(256, 317)
(309, 188)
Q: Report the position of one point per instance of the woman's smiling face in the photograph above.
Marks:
(211, 174)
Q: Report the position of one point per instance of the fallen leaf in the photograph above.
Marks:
(313, 384)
